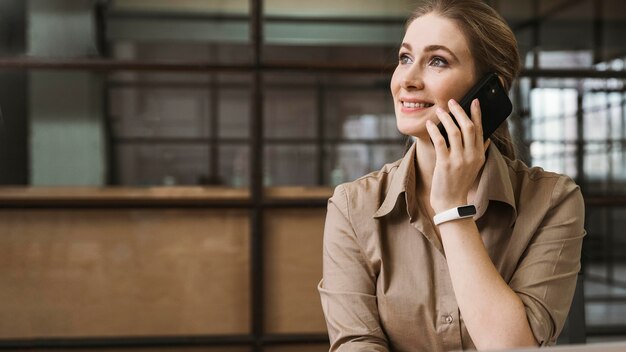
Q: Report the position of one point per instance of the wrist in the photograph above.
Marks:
(454, 214)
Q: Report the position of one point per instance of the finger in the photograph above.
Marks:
(454, 134)
(466, 125)
(477, 119)
(441, 149)
(487, 143)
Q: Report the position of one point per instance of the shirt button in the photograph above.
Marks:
(449, 319)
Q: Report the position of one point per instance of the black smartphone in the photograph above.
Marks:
(495, 105)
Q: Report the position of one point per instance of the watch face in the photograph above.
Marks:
(467, 210)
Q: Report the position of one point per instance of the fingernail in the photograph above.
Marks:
(452, 102)
(440, 111)
(476, 103)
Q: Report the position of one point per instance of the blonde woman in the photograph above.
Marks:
(403, 274)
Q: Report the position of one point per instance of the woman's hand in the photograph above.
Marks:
(457, 167)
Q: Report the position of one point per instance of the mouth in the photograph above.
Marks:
(415, 105)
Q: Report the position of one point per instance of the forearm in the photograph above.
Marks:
(494, 315)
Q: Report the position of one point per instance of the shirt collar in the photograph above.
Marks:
(495, 184)
(403, 181)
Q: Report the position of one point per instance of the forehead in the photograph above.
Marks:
(432, 29)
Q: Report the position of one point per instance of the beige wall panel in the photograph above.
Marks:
(293, 268)
(123, 272)
(299, 348)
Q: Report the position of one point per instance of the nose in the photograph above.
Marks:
(412, 78)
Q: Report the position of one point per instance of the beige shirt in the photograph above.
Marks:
(386, 284)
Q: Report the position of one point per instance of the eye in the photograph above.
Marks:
(438, 61)
(405, 59)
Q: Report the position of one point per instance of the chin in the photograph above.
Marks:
(415, 129)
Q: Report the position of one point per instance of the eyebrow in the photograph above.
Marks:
(431, 48)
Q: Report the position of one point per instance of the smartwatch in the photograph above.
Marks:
(464, 211)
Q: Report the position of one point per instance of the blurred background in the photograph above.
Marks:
(165, 165)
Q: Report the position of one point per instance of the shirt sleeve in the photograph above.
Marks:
(545, 278)
(348, 287)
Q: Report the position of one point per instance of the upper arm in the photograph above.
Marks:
(545, 278)
(348, 287)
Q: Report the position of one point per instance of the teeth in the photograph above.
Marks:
(410, 105)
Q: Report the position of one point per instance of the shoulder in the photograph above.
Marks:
(539, 191)
(365, 195)
(539, 180)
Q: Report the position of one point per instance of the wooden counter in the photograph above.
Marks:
(77, 262)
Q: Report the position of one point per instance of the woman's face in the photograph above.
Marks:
(435, 65)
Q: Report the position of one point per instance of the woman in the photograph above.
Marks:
(393, 278)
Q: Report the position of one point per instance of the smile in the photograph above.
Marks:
(411, 105)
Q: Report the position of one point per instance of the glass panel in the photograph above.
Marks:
(67, 144)
(355, 108)
(347, 162)
(182, 51)
(183, 6)
(553, 128)
(373, 109)
(183, 109)
(234, 112)
(565, 59)
(191, 21)
(345, 8)
(618, 162)
(604, 127)
(554, 156)
(596, 161)
(604, 254)
(234, 165)
(159, 164)
(552, 131)
(290, 165)
(61, 29)
(149, 112)
(595, 106)
(290, 112)
(352, 54)
(568, 27)
(295, 23)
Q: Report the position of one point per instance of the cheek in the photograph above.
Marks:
(450, 90)
(394, 85)
(462, 86)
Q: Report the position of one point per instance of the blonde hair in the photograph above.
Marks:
(491, 42)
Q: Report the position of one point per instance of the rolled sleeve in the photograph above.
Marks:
(348, 287)
(545, 278)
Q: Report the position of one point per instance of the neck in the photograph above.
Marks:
(425, 162)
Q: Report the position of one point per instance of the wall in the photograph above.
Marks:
(67, 142)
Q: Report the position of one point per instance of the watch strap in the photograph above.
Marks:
(460, 212)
